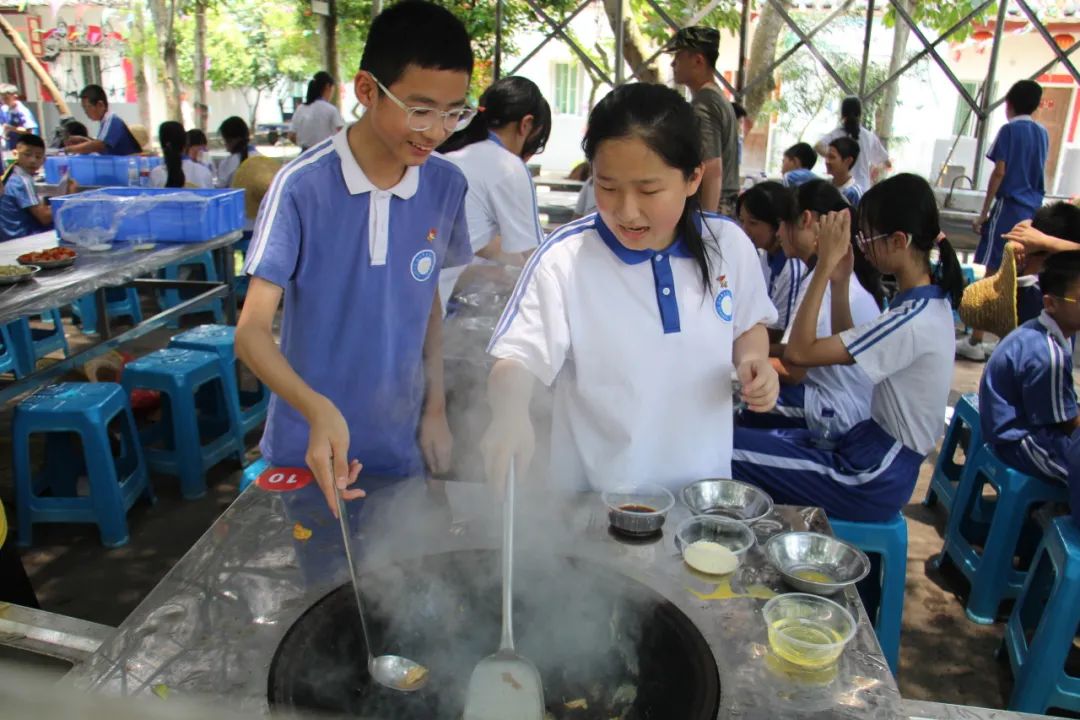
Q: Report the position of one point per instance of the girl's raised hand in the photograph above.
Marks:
(834, 239)
(845, 267)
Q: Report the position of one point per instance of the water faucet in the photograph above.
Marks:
(952, 187)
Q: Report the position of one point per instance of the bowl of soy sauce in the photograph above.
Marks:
(638, 509)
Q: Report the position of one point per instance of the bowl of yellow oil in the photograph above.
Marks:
(816, 563)
(808, 631)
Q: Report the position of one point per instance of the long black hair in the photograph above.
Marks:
(821, 196)
(663, 120)
(905, 203)
(769, 202)
(851, 114)
(234, 131)
(506, 102)
(173, 140)
(317, 86)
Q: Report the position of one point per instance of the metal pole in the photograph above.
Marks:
(1041, 28)
(866, 46)
(744, 32)
(497, 69)
(930, 47)
(988, 90)
(619, 43)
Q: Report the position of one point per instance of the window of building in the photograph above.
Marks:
(568, 82)
(91, 68)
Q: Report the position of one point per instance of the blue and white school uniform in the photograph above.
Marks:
(114, 132)
(1025, 393)
(797, 177)
(19, 196)
(639, 353)
(784, 277)
(907, 353)
(228, 167)
(359, 267)
(501, 202)
(851, 192)
(1023, 145)
(846, 389)
(871, 153)
(196, 175)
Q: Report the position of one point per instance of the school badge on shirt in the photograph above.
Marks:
(725, 300)
(423, 265)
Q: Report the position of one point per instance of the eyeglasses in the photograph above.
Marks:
(421, 119)
(1066, 298)
(864, 242)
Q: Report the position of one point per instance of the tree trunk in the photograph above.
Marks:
(330, 48)
(200, 63)
(138, 61)
(163, 13)
(635, 46)
(886, 110)
(39, 71)
(762, 55)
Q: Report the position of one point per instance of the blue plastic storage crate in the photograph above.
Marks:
(122, 214)
(103, 170)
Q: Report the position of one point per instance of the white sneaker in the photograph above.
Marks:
(988, 347)
(966, 350)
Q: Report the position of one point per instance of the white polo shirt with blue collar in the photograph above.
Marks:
(359, 266)
(639, 352)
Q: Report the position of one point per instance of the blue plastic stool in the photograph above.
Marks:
(1047, 606)
(947, 471)
(991, 573)
(247, 410)
(8, 361)
(171, 298)
(115, 482)
(119, 302)
(889, 541)
(188, 439)
(252, 472)
(29, 344)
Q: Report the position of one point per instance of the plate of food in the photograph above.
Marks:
(50, 258)
(11, 274)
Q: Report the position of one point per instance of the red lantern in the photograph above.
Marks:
(1064, 40)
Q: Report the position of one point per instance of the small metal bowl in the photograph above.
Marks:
(638, 509)
(735, 535)
(727, 498)
(815, 563)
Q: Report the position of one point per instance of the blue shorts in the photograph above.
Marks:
(1004, 215)
(867, 478)
(788, 413)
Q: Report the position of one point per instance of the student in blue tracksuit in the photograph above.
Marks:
(839, 163)
(1015, 190)
(1027, 403)
(907, 353)
(1054, 229)
(806, 393)
(113, 137)
(760, 211)
(797, 165)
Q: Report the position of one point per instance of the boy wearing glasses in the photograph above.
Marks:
(353, 233)
(1027, 404)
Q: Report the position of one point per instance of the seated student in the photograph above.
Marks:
(839, 162)
(1027, 404)
(234, 131)
(22, 212)
(113, 137)
(845, 389)
(198, 147)
(760, 211)
(178, 170)
(799, 160)
(907, 353)
(1055, 228)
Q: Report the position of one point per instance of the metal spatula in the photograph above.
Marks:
(505, 686)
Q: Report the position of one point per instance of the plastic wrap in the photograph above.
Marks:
(118, 265)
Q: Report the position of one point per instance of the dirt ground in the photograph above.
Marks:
(944, 657)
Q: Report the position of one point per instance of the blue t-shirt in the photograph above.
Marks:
(359, 267)
(1023, 145)
(117, 137)
(798, 176)
(19, 195)
(19, 116)
(1027, 383)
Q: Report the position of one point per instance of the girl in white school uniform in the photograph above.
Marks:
(907, 353)
(761, 210)
(844, 389)
(237, 136)
(512, 124)
(178, 170)
(638, 315)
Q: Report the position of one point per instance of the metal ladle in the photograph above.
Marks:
(392, 671)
